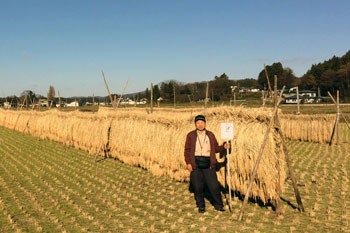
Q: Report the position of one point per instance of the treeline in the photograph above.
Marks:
(220, 89)
(330, 75)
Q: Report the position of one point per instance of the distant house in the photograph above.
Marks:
(73, 104)
(305, 96)
(7, 105)
(43, 103)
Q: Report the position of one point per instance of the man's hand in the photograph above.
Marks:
(227, 145)
(189, 167)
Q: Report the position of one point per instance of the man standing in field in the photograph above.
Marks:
(200, 148)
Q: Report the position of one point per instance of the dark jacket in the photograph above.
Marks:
(190, 147)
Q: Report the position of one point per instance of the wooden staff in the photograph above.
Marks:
(272, 121)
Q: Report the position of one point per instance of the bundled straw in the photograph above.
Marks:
(156, 141)
(312, 128)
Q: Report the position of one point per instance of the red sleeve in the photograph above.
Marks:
(216, 145)
(187, 149)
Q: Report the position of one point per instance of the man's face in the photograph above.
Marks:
(200, 125)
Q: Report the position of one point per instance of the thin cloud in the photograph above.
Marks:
(25, 54)
(296, 60)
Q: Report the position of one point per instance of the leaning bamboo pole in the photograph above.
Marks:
(121, 96)
(109, 93)
(340, 111)
(272, 122)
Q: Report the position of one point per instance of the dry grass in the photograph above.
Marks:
(311, 128)
(156, 141)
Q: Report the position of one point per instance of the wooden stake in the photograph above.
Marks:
(278, 184)
(206, 96)
(298, 112)
(33, 104)
(212, 97)
(290, 169)
(151, 100)
(272, 122)
(338, 114)
(335, 132)
(109, 93)
(268, 81)
(24, 101)
(340, 111)
(263, 98)
(234, 97)
(174, 96)
(59, 99)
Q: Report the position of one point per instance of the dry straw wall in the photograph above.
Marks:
(312, 128)
(156, 141)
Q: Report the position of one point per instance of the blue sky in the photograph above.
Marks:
(67, 43)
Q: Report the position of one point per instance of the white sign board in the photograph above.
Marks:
(227, 131)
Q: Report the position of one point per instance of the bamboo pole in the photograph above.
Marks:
(59, 99)
(24, 100)
(33, 104)
(278, 167)
(298, 112)
(338, 114)
(263, 98)
(151, 100)
(174, 96)
(268, 81)
(290, 169)
(272, 122)
(126, 84)
(109, 93)
(340, 111)
(335, 132)
(275, 91)
(212, 97)
(206, 96)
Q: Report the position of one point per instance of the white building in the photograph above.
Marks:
(73, 104)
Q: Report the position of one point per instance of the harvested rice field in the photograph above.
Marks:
(47, 186)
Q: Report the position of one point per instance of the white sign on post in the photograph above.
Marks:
(227, 131)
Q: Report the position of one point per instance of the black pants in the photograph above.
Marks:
(199, 177)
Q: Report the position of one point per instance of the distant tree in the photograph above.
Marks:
(308, 82)
(285, 76)
(221, 87)
(51, 94)
(274, 69)
(156, 92)
(30, 94)
(326, 81)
